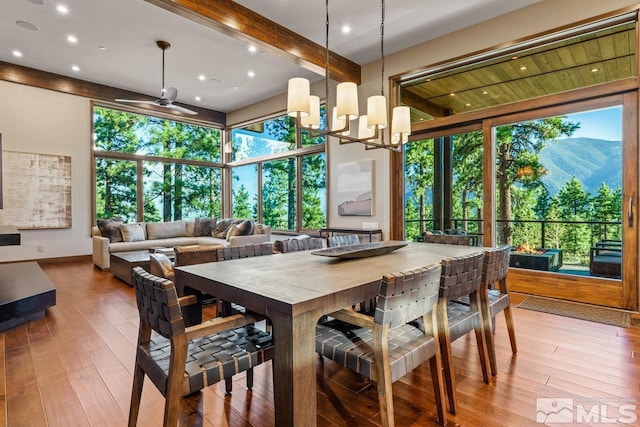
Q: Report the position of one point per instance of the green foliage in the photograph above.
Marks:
(171, 190)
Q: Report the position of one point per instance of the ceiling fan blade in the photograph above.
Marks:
(171, 94)
(136, 101)
(181, 109)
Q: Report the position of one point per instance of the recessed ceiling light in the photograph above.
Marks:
(594, 70)
(253, 49)
(75, 68)
(428, 80)
(514, 57)
(62, 9)
(235, 88)
(198, 98)
(26, 25)
(102, 48)
(523, 68)
(17, 53)
(346, 29)
(202, 77)
(452, 94)
(484, 92)
(468, 104)
(72, 39)
(251, 74)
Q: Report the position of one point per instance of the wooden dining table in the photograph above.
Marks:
(294, 290)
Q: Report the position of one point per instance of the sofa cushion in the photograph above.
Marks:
(110, 228)
(222, 227)
(166, 230)
(133, 232)
(245, 228)
(204, 226)
(258, 228)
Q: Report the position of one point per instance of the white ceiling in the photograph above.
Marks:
(128, 29)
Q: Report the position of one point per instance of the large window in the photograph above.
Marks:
(153, 169)
(279, 174)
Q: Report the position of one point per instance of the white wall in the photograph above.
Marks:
(537, 18)
(42, 121)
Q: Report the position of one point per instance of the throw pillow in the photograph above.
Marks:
(204, 226)
(258, 228)
(166, 230)
(245, 228)
(110, 228)
(132, 232)
(222, 227)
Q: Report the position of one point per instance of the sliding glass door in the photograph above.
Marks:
(566, 196)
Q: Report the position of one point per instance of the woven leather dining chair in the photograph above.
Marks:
(461, 276)
(496, 299)
(448, 239)
(341, 240)
(385, 347)
(296, 245)
(227, 308)
(182, 360)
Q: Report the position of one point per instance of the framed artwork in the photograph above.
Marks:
(355, 188)
(37, 191)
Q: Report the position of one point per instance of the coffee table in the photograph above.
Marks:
(122, 263)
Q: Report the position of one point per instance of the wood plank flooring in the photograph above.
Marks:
(74, 368)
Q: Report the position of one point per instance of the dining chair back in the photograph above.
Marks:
(461, 277)
(228, 308)
(344, 239)
(182, 360)
(448, 239)
(495, 298)
(385, 347)
(296, 245)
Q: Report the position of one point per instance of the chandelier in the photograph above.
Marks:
(370, 127)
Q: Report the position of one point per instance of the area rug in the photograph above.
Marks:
(578, 311)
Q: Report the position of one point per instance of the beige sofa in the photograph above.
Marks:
(169, 234)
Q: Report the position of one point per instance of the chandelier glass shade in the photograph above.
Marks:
(306, 108)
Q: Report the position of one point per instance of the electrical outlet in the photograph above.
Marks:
(40, 248)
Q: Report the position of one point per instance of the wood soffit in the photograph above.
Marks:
(246, 25)
(44, 80)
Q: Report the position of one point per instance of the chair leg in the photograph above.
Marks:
(136, 395)
(510, 329)
(479, 330)
(435, 363)
(445, 350)
(383, 374)
(228, 385)
(491, 349)
(250, 378)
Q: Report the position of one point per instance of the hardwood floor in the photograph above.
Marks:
(74, 368)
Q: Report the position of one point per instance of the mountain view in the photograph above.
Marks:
(592, 161)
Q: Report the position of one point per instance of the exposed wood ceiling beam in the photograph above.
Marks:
(412, 100)
(44, 80)
(244, 24)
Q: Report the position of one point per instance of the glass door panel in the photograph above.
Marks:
(559, 192)
(443, 185)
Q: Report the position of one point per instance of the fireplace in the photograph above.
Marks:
(547, 260)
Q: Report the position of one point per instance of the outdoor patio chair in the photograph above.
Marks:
(605, 259)
(385, 347)
(182, 360)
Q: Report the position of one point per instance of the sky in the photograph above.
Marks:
(599, 124)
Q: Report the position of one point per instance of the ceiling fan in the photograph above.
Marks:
(168, 96)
